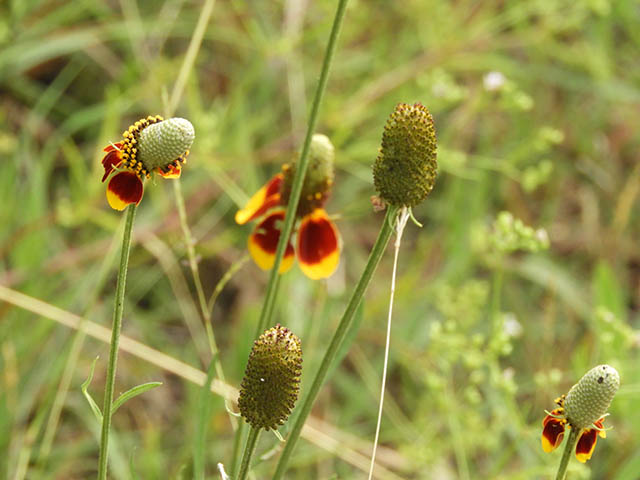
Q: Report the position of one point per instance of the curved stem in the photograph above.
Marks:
(401, 222)
(301, 170)
(568, 450)
(338, 338)
(115, 340)
(249, 449)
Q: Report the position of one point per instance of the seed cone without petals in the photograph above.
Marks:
(271, 380)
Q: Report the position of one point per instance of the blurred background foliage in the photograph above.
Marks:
(536, 106)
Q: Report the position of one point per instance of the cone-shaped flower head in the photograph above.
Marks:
(318, 240)
(271, 382)
(589, 399)
(583, 408)
(149, 145)
(319, 178)
(405, 171)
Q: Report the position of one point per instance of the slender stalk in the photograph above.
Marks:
(249, 449)
(338, 338)
(568, 450)
(301, 170)
(401, 223)
(237, 445)
(115, 340)
(202, 420)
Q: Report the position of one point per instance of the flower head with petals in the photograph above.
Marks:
(583, 408)
(149, 145)
(318, 242)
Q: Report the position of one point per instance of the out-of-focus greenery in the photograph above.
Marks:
(536, 106)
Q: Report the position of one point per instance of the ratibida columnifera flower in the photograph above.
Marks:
(583, 410)
(405, 171)
(149, 145)
(271, 382)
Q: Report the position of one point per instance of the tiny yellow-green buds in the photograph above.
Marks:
(405, 171)
(163, 142)
(271, 382)
(589, 399)
(319, 179)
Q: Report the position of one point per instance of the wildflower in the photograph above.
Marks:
(149, 145)
(271, 382)
(583, 408)
(405, 171)
(318, 245)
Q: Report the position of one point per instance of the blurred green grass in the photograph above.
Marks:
(460, 404)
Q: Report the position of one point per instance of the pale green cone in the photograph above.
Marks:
(319, 179)
(589, 399)
(162, 143)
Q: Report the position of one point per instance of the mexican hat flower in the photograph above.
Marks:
(317, 243)
(405, 171)
(271, 382)
(584, 408)
(149, 145)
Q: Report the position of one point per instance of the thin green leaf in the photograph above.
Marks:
(133, 392)
(87, 395)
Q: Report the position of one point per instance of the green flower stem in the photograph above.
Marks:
(568, 451)
(237, 445)
(301, 170)
(249, 449)
(338, 337)
(115, 340)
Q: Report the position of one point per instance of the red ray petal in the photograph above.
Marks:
(263, 243)
(123, 189)
(111, 159)
(552, 432)
(264, 199)
(173, 171)
(586, 444)
(318, 245)
(113, 146)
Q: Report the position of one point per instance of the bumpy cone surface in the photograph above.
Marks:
(162, 143)
(271, 382)
(405, 171)
(319, 179)
(589, 399)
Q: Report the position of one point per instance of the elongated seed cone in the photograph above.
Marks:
(589, 399)
(271, 382)
(405, 171)
(162, 143)
(319, 179)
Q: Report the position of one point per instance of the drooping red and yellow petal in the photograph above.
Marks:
(111, 159)
(123, 189)
(586, 444)
(263, 243)
(602, 432)
(318, 245)
(173, 171)
(552, 431)
(264, 199)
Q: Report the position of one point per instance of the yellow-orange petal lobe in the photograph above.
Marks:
(173, 171)
(123, 189)
(586, 444)
(263, 243)
(111, 160)
(264, 199)
(552, 431)
(318, 245)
